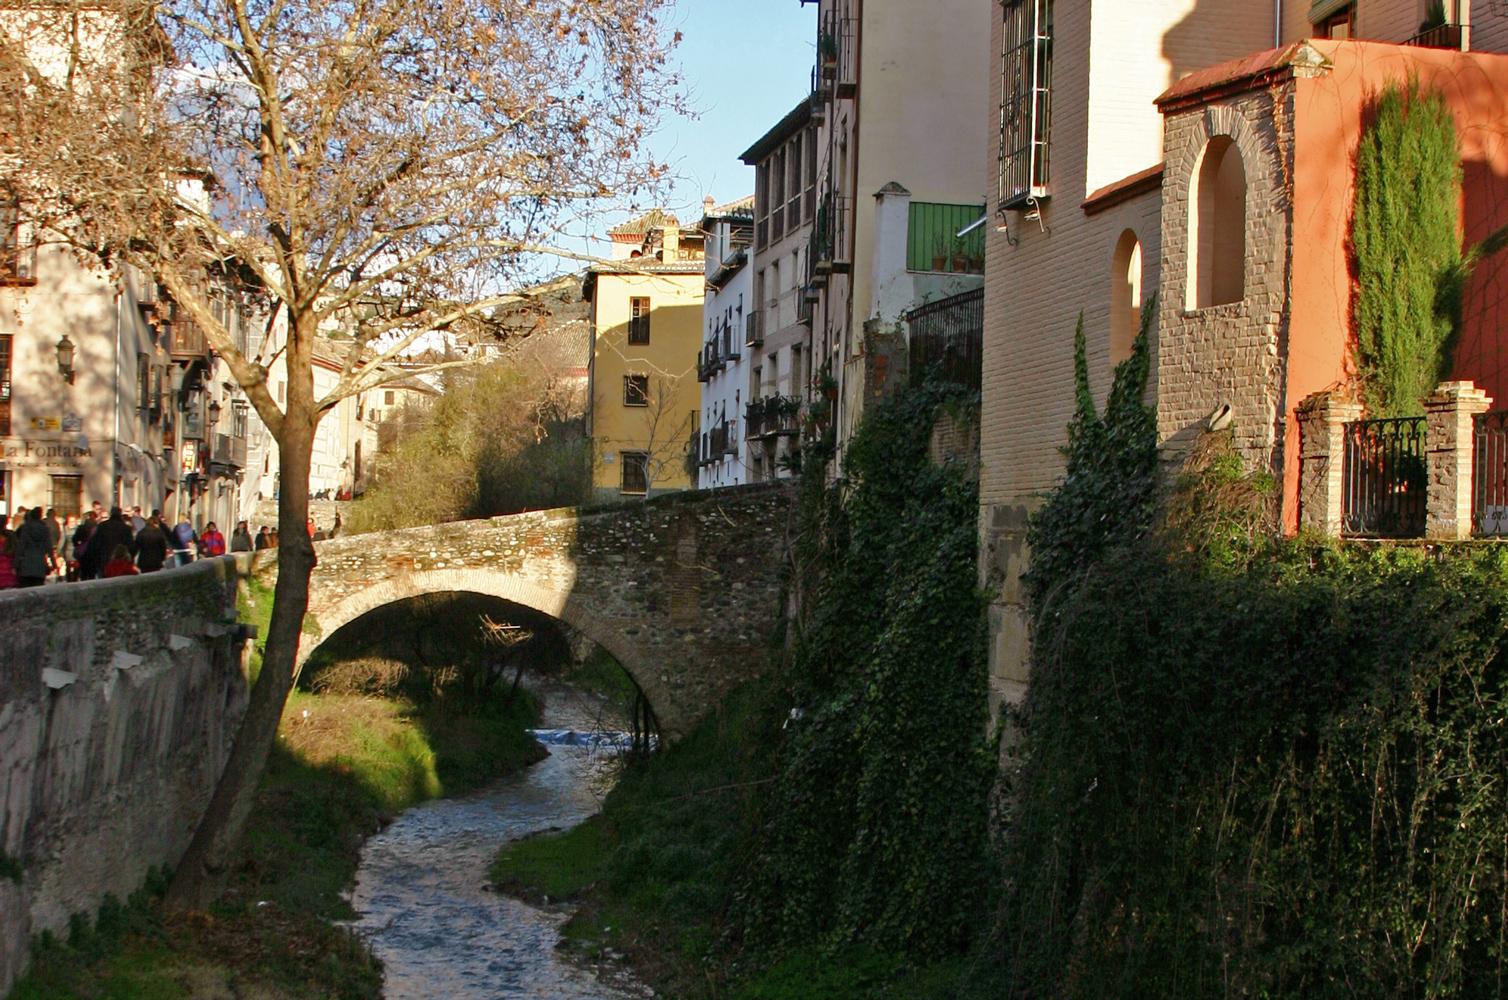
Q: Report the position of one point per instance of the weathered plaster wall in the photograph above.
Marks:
(683, 590)
(119, 700)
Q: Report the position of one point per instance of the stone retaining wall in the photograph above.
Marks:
(119, 700)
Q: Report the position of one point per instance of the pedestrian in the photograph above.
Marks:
(310, 527)
(54, 531)
(335, 529)
(120, 563)
(33, 550)
(211, 543)
(263, 539)
(240, 539)
(81, 536)
(137, 521)
(184, 540)
(7, 558)
(65, 545)
(115, 530)
(151, 546)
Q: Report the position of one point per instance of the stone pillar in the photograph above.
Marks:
(1449, 440)
(890, 291)
(1322, 446)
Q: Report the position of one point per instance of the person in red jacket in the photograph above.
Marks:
(211, 542)
(120, 563)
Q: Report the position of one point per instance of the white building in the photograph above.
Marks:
(722, 369)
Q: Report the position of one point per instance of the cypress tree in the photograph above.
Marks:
(1407, 245)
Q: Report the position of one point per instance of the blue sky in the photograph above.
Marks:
(744, 64)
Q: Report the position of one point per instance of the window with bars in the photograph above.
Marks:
(636, 390)
(635, 472)
(1026, 102)
(17, 260)
(638, 320)
(5, 345)
(143, 382)
(66, 496)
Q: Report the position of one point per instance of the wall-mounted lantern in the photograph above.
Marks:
(65, 359)
(214, 413)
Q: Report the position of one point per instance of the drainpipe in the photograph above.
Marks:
(115, 442)
(1277, 23)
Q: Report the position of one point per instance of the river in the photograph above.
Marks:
(423, 900)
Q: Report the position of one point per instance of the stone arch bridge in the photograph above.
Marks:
(683, 590)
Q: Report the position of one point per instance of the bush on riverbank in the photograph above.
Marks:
(850, 836)
(342, 767)
(1251, 767)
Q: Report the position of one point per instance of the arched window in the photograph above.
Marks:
(1217, 227)
(1125, 296)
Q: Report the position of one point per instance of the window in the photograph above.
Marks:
(1217, 226)
(635, 472)
(1333, 19)
(636, 390)
(5, 342)
(17, 260)
(67, 495)
(1026, 102)
(1125, 296)
(387, 397)
(811, 175)
(143, 382)
(794, 185)
(638, 320)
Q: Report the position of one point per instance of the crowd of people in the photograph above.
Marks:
(37, 546)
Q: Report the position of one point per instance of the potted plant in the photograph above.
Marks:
(940, 255)
(827, 47)
(959, 256)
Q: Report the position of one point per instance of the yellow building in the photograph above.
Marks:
(645, 312)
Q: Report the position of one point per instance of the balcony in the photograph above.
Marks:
(837, 66)
(228, 450)
(830, 253)
(1442, 36)
(772, 416)
(754, 334)
(933, 243)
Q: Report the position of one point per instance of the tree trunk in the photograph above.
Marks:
(201, 875)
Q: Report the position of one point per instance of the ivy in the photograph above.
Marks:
(1250, 766)
(876, 831)
(1410, 268)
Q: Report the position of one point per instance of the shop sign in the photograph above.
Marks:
(35, 453)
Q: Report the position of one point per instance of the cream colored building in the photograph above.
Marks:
(899, 97)
(778, 338)
(1091, 196)
(646, 316)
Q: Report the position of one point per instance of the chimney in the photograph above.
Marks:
(670, 242)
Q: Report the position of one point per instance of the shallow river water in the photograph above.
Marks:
(422, 898)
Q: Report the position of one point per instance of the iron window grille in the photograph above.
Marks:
(1026, 103)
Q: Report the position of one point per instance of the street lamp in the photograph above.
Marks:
(214, 413)
(65, 359)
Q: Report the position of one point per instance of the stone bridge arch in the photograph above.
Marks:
(682, 590)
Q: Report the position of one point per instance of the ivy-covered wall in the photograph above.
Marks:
(1248, 766)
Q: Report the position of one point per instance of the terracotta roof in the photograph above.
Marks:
(1124, 189)
(1245, 73)
(743, 208)
(655, 218)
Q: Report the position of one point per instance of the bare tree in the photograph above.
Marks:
(669, 432)
(376, 165)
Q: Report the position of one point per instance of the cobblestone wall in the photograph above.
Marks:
(682, 590)
(119, 700)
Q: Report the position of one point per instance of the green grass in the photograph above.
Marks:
(556, 865)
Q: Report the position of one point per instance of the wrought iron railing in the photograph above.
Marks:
(1489, 474)
(947, 339)
(1384, 475)
(772, 415)
(1441, 36)
(829, 247)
